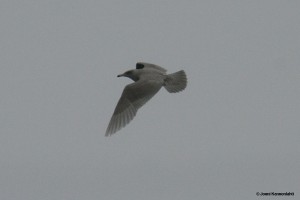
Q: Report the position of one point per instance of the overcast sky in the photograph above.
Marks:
(233, 132)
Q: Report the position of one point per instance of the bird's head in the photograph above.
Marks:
(130, 74)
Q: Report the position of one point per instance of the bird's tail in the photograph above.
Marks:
(176, 82)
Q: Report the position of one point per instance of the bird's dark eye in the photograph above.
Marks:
(139, 66)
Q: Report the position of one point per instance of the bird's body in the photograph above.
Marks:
(149, 78)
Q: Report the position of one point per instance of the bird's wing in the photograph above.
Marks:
(143, 65)
(134, 96)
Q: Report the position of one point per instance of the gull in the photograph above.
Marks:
(148, 79)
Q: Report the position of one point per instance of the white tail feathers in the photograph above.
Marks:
(176, 82)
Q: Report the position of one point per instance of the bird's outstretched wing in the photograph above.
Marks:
(143, 65)
(134, 96)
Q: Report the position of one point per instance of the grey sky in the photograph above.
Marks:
(233, 132)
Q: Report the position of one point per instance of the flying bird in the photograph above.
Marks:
(148, 79)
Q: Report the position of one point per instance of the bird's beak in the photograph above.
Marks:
(120, 75)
